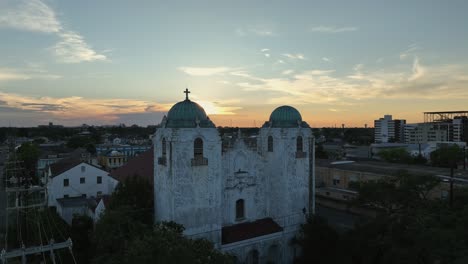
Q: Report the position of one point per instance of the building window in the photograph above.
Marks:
(99, 194)
(99, 179)
(66, 182)
(240, 210)
(163, 147)
(66, 196)
(299, 145)
(83, 168)
(270, 144)
(336, 181)
(82, 180)
(83, 195)
(198, 148)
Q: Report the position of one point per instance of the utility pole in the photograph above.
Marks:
(464, 158)
(25, 197)
(451, 186)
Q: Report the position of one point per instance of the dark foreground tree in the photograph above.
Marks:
(412, 225)
(318, 242)
(447, 156)
(126, 234)
(166, 244)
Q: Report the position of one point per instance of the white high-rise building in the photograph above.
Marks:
(427, 132)
(389, 130)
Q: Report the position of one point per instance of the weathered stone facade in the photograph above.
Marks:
(240, 184)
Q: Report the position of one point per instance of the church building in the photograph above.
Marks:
(248, 195)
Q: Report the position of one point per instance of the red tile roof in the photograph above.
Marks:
(239, 232)
(63, 165)
(142, 165)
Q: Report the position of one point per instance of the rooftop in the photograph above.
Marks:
(141, 165)
(243, 231)
(78, 202)
(386, 168)
(63, 165)
(285, 117)
(187, 114)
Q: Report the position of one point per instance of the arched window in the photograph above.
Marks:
(198, 148)
(240, 213)
(164, 147)
(299, 145)
(270, 144)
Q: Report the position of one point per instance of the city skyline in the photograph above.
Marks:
(337, 62)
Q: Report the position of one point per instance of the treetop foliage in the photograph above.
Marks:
(409, 227)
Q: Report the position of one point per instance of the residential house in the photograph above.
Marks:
(72, 179)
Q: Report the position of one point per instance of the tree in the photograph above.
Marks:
(81, 234)
(78, 142)
(125, 233)
(135, 193)
(128, 216)
(166, 244)
(409, 226)
(447, 156)
(396, 155)
(29, 153)
(320, 153)
(318, 241)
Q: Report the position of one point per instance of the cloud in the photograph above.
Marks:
(317, 86)
(326, 59)
(31, 15)
(35, 15)
(241, 74)
(240, 32)
(262, 31)
(279, 62)
(265, 52)
(9, 75)
(333, 29)
(297, 56)
(204, 71)
(79, 108)
(73, 49)
(418, 70)
(318, 72)
(287, 72)
(75, 110)
(409, 51)
(219, 107)
(36, 72)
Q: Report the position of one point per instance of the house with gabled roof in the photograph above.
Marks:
(73, 184)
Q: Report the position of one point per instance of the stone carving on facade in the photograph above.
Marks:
(240, 180)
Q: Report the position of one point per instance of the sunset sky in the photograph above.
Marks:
(114, 61)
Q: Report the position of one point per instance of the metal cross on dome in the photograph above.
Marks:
(186, 92)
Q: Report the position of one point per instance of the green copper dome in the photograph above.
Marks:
(285, 116)
(187, 114)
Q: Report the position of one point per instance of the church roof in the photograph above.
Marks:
(243, 231)
(187, 114)
(141, 166)
(285, 117)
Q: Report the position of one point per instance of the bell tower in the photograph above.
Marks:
(284, 144)
(187, 172)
